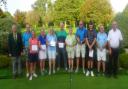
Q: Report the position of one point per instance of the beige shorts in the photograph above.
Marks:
(70, 52)
(80, 50)
(101, 55)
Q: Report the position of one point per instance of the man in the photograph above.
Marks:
(114, 40)
(15, 50)
(91, 42)
(61, 48)
(101, 49)
(26, 36)
(80, 47)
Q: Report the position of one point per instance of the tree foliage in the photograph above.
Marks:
(67, 9)
(44, 13)
(122, 19)
(19, 17)
(3, 2)
(2, 15)
(71, 11)
(100, 11)
(6, 21)
(33, 18)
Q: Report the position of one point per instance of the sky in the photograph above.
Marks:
(25, 5)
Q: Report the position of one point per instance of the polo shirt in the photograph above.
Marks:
(101, 39)
(91, 35)
(42, 39)
(61, 35)
(25, 37)
(50, 38)
(70, 39)
(81, 33)
(114, 38)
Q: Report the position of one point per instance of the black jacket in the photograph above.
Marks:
(15, 46)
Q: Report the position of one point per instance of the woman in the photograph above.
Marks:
(33, 54)
(51, 40)
(70, 47)
(42, 51)
(91, 42)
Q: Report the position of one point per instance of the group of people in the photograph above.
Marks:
(62, 47)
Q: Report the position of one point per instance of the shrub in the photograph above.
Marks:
(122, 50)
(3, 42)
(5, 61)
(123, 59)
(5, 28)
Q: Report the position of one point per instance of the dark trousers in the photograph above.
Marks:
(113, 62)
(16, 65)
(61, 53)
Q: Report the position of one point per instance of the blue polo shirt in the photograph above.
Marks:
(101, 39)
(50, 38)
(25, 37)
(42, 39)
(81, 33)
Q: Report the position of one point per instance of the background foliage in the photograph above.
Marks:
(46, 13)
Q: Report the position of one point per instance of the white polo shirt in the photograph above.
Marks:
(114, 38)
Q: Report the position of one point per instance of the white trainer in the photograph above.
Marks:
(49, 73)
(83, 71)
(76, 71)
(30, 78)
(87, 73)
(27, 75)
(35, 75)
(58, 69)
(54, 71)
(66, 69)
(92, 74)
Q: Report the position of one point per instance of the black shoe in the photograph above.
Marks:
(103, 74)
(20, 75)
(98, 74)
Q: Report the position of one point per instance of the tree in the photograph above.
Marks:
(3, 1)
(6, 21)
(67, 10)
(122, 19)
(33, 18)
(2, 15)
(42, 8)
(125, 12)
(8, 14)
(99, 11)
(19, 18)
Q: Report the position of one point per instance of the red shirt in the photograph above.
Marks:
(33, 45)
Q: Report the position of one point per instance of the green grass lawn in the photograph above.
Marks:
(61, 80)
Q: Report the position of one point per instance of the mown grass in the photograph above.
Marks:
(61, 80)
